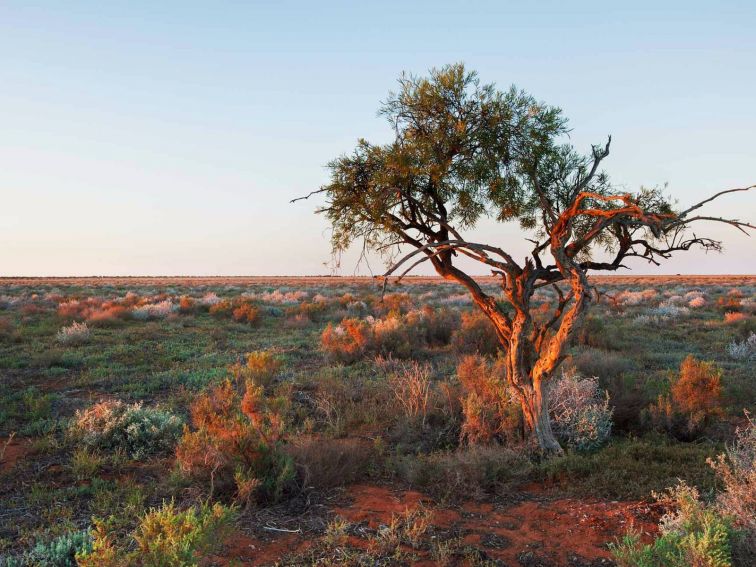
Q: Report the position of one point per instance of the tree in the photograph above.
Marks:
(463, 151)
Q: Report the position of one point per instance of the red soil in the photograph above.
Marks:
(551, 530)
(14, 451)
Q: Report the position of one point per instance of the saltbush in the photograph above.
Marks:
(579, 411)
(74, 334)
(136, 429)
(61, 551)
(743, 350)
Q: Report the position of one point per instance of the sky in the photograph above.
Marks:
(162, 138)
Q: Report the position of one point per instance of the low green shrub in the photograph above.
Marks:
(165, 537)
(138, 430)
(631, 468)
(58, 552)
(691, 534)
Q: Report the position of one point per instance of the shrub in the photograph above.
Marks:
(476, 335)
(580, 412)
(437, 325)
(609, 365)
(165, 537)
(391, 335)
(6, 329)
(261, 366)
(221, 307)
(412, 388)
(209, 299)
(629, 297)
(743, 350)
(323, 463)
(347, 341)
(693, 534)
(246, 313)
(469, 472)
(159, 310)
(696, 302)
(135, 429)
(697, 391)
(168, 537)
(730, 303)
(107, 314)
(186, 304)
(237, 438)
(631, 468)
(279, 296)
(734, 316)
(737, 472)
(75, 334)
(490, 411)
(60, 552)
(695, 397)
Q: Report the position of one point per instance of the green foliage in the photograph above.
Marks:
(631, 468)
(61, 551)
(693, 534)
(135, 429)
(165, 537)
(237, 442)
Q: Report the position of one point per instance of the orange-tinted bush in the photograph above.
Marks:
(311, 311)
(223, 307)
(729, 303)
(186, 304)
(78, 309)
(475, 335)
(236, 443)
(695, 397)
(734, 316)
(488, 409)
(698, 390)
(260, 366)
(31, 309)
(246, 313)
(396, 303)
(108, 314)
(347, 341)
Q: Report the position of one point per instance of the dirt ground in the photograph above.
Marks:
(534, 527)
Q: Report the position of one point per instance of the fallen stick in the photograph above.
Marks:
(272, 529)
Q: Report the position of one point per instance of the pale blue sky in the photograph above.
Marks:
(167, 138)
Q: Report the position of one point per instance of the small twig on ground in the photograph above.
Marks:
(272, 529)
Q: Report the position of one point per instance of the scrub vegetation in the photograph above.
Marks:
(207, 421)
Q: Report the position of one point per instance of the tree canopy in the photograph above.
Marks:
(465, 150)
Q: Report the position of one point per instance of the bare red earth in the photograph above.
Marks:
(14, 451)
(553, 529)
